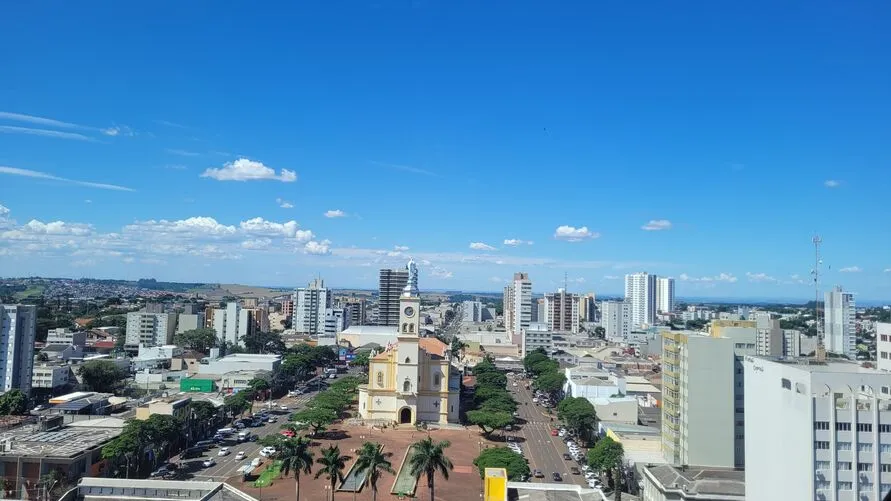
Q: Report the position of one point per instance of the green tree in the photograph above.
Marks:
(494, 379)
(332, 465)
(361, 360)
(483, 367)
(599, 332)
(545, 366)
(101, 376)
(373, 462)
(607, 456)
(533, 358)
(296, 456)
(502, 457)
(202, 415)
(579, 415)
(13, 403)
(264, 342)
(488, 420)
(258, 384)
(550, 382)
(428, 459)
(239, 403)
(202, 339)
(317, 418)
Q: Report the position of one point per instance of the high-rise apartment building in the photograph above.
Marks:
(534, 336)
(840, 333)
(587, 308)
(311, 305)
(288, 308)
(703, 421)
(150, 329)
(664, 294)
(562, 311)
(883, 346)
(18, 329)
(357, 308)
(615, 318)
(472, 311)
(518, 304)
(817, 430)
(391, 284)
(640, 293)
(233, 323)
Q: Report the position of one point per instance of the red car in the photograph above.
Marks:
(554, 432)
(288, 433)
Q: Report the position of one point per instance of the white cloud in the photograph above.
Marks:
(657, 225)
(573, 234)
(394, 254)
(260, 226)
(611, 277)
(317, 248)
(118, 130)
(4, 212)
(440, 272)
(481, 246)
(851, 269)
(88, 201)
(257, 243)
(887, 270)
(335, 213)
(722, 277)
(84, 263)
(48, 122)
(425, 262)
(303, 236)
(129, 259)
(244, 169)
(760, 277)
(284, 204)
(182, 153)
(11, 129)
(514, 242)
(13, 171)
(400, 248)
(832, 183)
(190, 227)
(406, 168)
(495, 280)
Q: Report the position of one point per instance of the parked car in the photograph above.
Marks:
(574, 470)
(566, 456)
(161, 472)
(256, 462)
(553, 433)
(537, 474)
(267, 451)
(283, 407)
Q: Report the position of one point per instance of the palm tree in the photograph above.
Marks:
(333, 464)
(372, 460)
(295, 455)
(429, 457)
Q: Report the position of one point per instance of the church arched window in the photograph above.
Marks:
(404, 327)
(407, 360)
(406, 386)
(436, 380)
(380, 378)
(411, 327)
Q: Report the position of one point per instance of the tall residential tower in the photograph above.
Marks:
(640, 293)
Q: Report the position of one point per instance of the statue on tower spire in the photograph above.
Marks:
(411, 287)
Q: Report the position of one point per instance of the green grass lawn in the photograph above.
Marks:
(34, 290)
(269, 474)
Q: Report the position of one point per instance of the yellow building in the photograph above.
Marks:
(411, 382)
(727, 328)
(495, 484)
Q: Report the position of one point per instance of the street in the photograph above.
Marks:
(543, 451)
(228, 466)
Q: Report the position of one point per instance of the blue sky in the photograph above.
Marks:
(146, 139)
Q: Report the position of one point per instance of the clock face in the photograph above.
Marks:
(409, 311)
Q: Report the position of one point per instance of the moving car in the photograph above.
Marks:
(208, 463)
(283, 407)
(575, 471)
(537, 474)
(267, 451)
(240, 456)
(557, 477)
(224, 451)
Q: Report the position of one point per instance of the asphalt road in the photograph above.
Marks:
(543, 451)
(227, 466)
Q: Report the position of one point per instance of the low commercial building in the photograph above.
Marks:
(536, 336)
(51, 376)
(66, 336)
(641, 444)
(235, 381)
(360, 335)
(241, 362)
(176, 406)
(29, 452)
(681, 483)
(115, 489)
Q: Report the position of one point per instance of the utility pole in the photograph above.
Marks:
(820, 352)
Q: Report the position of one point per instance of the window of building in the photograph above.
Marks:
(436, 380)
(885, 488)
(844, 466)
(845, 486)
(885, 390)
(786, 384)
(843, 446)
(864, 427)
(864, 466)
(864, 447)
(885, 428)
(406, 386)
(886, 468)
(842, 426)
(411, 327)
(407, 360)
(821, 425)
(885, 448)
(821, 484)
(821, 465)
(821, 445)
(380, 378)
(865, 486)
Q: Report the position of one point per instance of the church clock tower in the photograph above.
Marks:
(408, 351)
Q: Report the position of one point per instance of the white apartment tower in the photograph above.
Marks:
(817, 430)
(311, 304)
(518, 305)
(233, 323)
(664, 294)
(18, 329)
(615, 318)
(587, 310)
(883, 346)
(839, 330)
(562, 311)
(150, 329)
(640, 293)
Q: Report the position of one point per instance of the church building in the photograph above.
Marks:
(413, 381)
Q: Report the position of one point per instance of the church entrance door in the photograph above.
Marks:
(405, 416)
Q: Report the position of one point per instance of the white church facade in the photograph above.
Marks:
(413, 381)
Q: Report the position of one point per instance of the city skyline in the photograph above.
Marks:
(321, 144)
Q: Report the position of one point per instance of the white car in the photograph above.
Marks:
(267, 451)
(224, 451)
(208, 463)
(283, 407)
(239, 456)
(534, 400)
(255, 462)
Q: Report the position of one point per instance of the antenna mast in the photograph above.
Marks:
(565, 282)
(820, 352)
